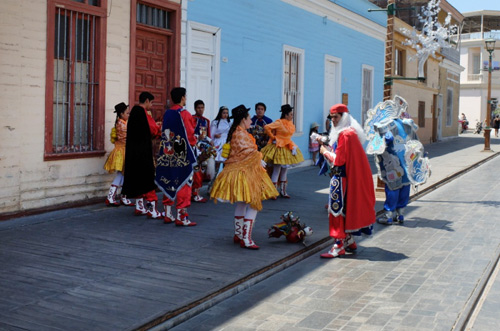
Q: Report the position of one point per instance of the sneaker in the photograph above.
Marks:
(386, 218)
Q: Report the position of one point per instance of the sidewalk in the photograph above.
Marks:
(101, 268)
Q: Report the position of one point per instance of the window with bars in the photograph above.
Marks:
(75, 115)
(366, 92)
(152, 16)
(292, 84)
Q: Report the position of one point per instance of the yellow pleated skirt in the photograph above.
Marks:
(280, 155)
(244, 181)
(116, 159)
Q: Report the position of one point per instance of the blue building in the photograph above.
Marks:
(308, 53)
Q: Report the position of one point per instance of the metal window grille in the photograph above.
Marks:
(291, 80)
(152, 16)
(367, 93)
(75, 82)
(90, 2)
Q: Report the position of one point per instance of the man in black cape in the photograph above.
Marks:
(139, 181)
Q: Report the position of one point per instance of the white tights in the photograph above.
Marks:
(276, 173)
(244, 209)
(118, 181)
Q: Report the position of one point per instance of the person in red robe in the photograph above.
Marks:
(351, 208)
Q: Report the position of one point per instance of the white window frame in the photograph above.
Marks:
(372, 70)
(299, 107)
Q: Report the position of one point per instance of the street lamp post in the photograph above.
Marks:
(490, 47)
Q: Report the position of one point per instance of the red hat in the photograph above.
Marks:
(338, 109)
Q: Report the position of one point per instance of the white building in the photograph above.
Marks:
(476, 28)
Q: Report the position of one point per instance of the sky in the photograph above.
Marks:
(475, 5)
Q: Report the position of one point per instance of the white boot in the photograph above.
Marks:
(246, 235)
(238, 226)
(111, 200)
(139, 207)
(183, 218)
(283, 189)
(349, 243)
(386, 218)
(152, 211)
(168, 217)
(125, 201)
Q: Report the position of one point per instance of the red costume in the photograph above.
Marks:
(358, 181)
(352, 195)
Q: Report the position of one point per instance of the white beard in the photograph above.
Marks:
(345, 122)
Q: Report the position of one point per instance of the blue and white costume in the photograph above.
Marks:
(398, 154)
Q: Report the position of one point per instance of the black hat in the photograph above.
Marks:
(286, 108)
(239, 111)
(120, 108)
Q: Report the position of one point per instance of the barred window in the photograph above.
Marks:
(75, 115)
(366, 91)
(152, 16)
(292, 82)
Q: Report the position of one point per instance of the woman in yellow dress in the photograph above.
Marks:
(280, 150)
(116, 158)
(243, 180)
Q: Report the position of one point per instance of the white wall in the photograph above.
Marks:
(26, 180)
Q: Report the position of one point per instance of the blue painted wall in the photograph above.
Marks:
(253, 33)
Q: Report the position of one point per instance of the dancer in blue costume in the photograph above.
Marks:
(398, 154)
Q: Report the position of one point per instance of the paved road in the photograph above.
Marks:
(103, 269)
(420, 276)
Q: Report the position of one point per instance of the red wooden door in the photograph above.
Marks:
(151, 69)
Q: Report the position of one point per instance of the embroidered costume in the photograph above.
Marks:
(281, 151)
(281, 131)
(116, 158)
(257, 130)
(176, 164)
(351, 204)
(243, 178)
(201, 129)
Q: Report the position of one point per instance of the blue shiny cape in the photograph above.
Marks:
(174, 166)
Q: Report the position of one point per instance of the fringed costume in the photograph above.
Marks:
(243, 178)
